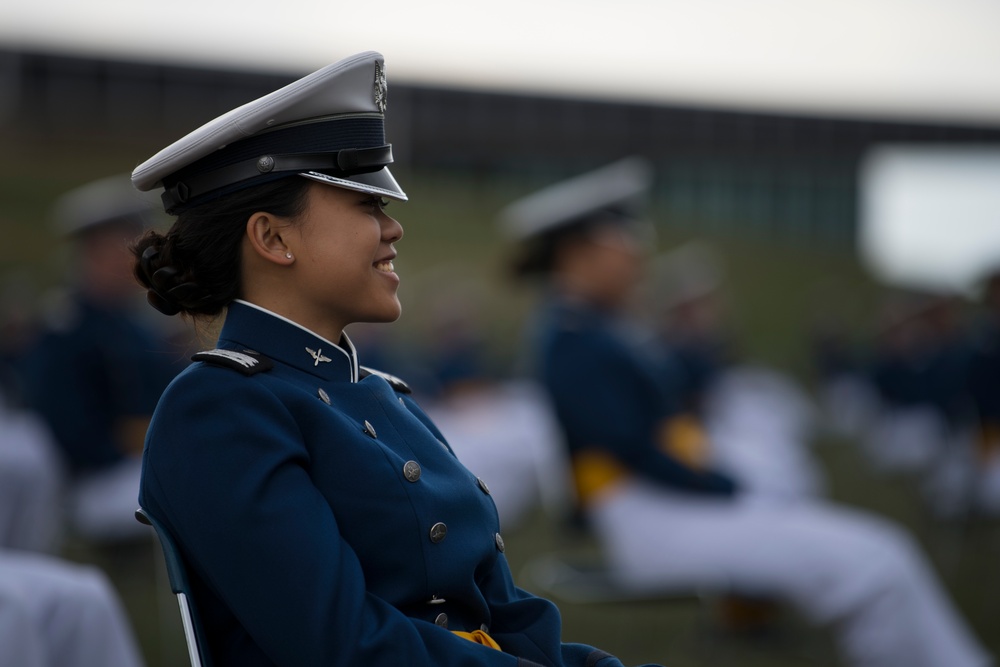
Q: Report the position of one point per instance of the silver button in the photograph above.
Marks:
(438, 531)
(323, 396)
(499, 541)
(369, 429)
(441, 620)
(485, 628)
(411, 471)
(482, 485)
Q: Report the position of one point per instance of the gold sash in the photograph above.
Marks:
(478, 637)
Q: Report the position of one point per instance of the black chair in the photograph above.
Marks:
(194, 633)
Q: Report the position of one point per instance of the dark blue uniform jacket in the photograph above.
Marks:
(100, 367)
(325, 519)
(613, 394)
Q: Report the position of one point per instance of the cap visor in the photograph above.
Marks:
(378, 182)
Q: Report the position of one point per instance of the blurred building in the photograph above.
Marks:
(761, 175)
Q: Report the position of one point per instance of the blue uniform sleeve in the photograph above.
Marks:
(605, 399)
(530, 626)
(230, 480)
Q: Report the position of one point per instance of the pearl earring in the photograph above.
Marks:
(288, 255)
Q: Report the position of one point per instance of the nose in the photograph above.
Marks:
(392, 231)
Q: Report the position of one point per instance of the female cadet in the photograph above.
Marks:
(644, 476)
(324, 518)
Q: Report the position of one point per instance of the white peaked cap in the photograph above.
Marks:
(327, 126)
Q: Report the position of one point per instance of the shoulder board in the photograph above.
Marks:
(246, 362)
(394, 382)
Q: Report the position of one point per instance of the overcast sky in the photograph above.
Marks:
(901, 58)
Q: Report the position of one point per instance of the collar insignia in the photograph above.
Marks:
(381, 88)
(317, 355)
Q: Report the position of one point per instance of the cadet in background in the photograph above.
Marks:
(96, 370)
(644, 472)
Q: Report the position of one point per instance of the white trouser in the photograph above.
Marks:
(906, 439)
(853, 571)
(30, 483)
(57, 614)
(102, 504)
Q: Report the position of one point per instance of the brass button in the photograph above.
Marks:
(482, 485)
(499, 541)
(323, 396)
(411, 471)
(369, 429)
(438, 531)
(441, 620)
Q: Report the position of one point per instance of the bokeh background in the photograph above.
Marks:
(835, 156)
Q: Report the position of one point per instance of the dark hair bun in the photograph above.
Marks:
(165, 291)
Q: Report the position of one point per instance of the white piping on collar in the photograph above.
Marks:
(351, 353)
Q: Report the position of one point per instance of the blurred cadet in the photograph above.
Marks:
(983, 384)
(687, 305)
(18, 328)
(918, 369)
(30, 481)
(644, 474)
(54, 613)
(923, 424)
(759, 421)
(324, 518)
(846, 394)
(96, 371)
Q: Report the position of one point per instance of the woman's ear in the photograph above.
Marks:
(266, 232)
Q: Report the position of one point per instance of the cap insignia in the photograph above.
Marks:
(381, 88)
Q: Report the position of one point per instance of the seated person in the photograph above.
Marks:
(95, 372)
(644, 474)
(324, 518)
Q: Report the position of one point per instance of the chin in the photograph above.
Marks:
(389, 314)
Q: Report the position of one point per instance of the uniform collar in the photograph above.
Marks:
(568, 305)
(251, 326)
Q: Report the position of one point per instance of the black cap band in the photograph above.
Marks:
(345, 162)
(343, 146)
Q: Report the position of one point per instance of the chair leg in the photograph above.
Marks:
(166, 610)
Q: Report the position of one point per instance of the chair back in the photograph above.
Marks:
(194, 633)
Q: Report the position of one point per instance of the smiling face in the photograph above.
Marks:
(341, 269)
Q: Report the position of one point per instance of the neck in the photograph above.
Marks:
(297, 316)
(584, 290)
